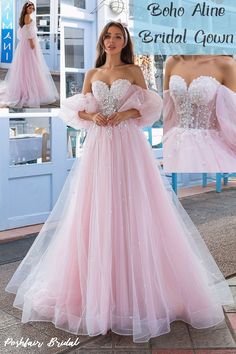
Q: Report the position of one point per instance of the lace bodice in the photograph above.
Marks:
(194, 104)
(109, 97)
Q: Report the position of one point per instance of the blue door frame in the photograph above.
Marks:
(38, 185)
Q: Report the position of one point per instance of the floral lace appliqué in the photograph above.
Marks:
(109, 99)
(193, 103)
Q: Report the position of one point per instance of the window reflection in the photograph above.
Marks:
(74, 83)
(81, 4)
(74, 48)
(75, 140)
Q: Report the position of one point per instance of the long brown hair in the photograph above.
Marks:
(127, 54)
(24, 12)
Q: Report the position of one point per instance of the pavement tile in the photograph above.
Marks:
(126, 351)
(9, 267)
(178, 337)
(214, 337)
(26, 333)
(7, 320)
(232, 308)
(91, 351)
(215, 351)
(232, 320)
(50, 330)
(172, 351)
(232, 281)
(99, 342)
(13, 311)
(127, 342)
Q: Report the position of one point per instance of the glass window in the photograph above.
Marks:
(81, 4)
(30, 140)
(43, 23)
(74, 83)
(43, 7)
(74, 48)
(75, 140)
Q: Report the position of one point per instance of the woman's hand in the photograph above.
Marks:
(31, 41)
(116, 118)
(99, 119)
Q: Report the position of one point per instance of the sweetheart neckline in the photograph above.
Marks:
(110, 86)
(194, 80)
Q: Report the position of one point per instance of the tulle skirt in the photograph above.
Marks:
(28, 82)
(197, 150)
(118, 250)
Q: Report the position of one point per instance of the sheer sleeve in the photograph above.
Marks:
(169, 116)
(72, 105)
(226, 114)
(147, 102)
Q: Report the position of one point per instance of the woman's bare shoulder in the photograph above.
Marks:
(27, 19)
(90, 73)
(134, 69)
(172, 60)
(226, 64)
(225, 61)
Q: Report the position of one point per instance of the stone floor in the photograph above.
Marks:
(183, 339)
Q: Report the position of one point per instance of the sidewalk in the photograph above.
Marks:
(183, 339)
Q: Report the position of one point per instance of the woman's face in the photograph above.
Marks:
(30, 9)
(113, 40)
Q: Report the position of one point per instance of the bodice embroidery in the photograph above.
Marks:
(109, 98)
(194, 104)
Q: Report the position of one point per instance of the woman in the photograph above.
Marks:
(199, 114)
(107, 257)
(28, 82)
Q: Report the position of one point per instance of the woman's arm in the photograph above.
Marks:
(98, 118)
(27, 21)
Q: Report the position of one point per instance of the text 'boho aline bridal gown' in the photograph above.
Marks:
(118, 251)
(28, 81)
(199, 126)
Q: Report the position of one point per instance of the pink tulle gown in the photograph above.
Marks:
(199, 126)
(118, 251)
(28, 82)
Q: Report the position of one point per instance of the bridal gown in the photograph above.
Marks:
(118, 251)
(199, 126)
(28, 82)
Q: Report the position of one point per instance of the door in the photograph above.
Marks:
(79, 41)
(48, 24)
(33, 165)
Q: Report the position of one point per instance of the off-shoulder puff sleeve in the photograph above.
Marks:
(72, 105)
(30, 31)
(226, 114)
(147, 102)
(169, 116)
